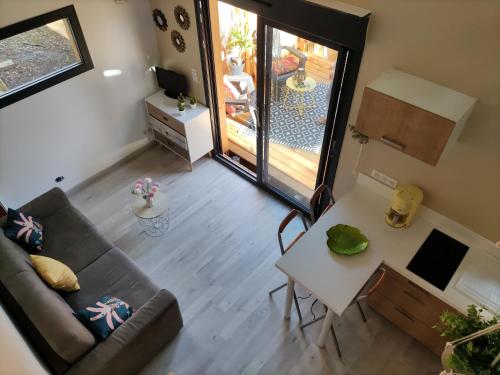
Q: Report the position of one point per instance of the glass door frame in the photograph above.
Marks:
(264, 80)
(350, 52)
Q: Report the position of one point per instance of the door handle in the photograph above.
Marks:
(391, 143)
(255, 117)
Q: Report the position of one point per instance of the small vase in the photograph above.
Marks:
(193, 106)
(181, 113)
(149, 202)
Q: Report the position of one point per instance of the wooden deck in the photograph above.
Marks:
(292, 167)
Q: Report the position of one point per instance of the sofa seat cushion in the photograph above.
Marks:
(71, 239)
(113, 274)
(46, 309)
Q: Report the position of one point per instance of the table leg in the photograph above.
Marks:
(326, 328)
(289, 297)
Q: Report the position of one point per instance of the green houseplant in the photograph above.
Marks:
(474, 356)
(239, 41)
(192, 102)
(181, 104)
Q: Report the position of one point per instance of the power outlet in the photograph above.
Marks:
(386, 180)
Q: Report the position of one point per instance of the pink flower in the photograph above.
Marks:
(138, 186)
(154, 189)
(139, 182)
(151, 195)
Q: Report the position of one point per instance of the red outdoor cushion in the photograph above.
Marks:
(285, 65)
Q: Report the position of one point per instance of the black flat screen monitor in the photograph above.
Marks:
(172, 82)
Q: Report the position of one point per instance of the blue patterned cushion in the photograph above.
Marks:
(24, 230)
(103, 317)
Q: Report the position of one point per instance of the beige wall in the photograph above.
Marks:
(85, 124)
(170, 57)
(455, 43)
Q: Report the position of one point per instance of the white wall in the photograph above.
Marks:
(15, 356)
(454, 43)
(181, 62)
(80, 126)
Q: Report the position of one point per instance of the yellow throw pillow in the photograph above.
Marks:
(55, 273)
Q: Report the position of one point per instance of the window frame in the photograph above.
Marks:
(56, 77)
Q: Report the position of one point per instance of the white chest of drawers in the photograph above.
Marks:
(188, 135)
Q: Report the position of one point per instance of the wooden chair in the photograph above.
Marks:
(291, 215)
(320, 192)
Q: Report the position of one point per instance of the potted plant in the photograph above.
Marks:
(192, 102)
(474, 355)
(181, 104)
(239, 41)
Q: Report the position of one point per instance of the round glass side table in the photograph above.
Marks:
(155, 220)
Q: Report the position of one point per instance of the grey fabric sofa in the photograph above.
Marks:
(46, 316)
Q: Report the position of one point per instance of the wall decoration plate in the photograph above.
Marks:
(346, 240)
(182, 17)
(178, 41)
(160, 20)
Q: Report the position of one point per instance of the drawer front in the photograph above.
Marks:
(407, 321)
(166, 119)
(404, 292)
(171, 145)
(168, 132)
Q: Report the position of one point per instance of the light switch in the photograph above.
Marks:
(194, 74)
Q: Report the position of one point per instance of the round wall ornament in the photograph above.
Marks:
(178, 41)
(182, 17)
(160, 20)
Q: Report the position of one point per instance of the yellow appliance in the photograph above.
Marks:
(404, 205)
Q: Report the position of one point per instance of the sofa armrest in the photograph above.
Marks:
(46, 204)
(135, 342)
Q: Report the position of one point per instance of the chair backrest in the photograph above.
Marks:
(291, 215)
(375, 285)
(322, 190)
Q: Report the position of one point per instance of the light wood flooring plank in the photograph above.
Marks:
(218, 259)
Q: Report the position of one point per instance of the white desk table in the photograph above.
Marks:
(335, 280)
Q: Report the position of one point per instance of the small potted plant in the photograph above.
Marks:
(192, 102)
(471, 355)
(239, 41)
(181, 104)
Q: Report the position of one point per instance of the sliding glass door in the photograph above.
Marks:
(299, 80)
(279, 95)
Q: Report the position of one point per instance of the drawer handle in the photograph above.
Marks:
(413, 297)
(404, 313)
(165, 118)
(392, 143)
(420, 289)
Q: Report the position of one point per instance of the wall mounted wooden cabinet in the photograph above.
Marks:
(415, 116)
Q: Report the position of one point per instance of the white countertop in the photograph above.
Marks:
(336, 279)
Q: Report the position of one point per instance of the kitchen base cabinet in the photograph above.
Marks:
(411, 308)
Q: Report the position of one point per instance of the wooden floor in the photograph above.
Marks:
(218, 259)
(293, 167)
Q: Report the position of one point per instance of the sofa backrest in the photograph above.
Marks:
(45, 308)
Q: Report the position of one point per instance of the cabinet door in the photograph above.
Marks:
(400, 125)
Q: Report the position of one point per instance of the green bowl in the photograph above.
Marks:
(346, 240)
